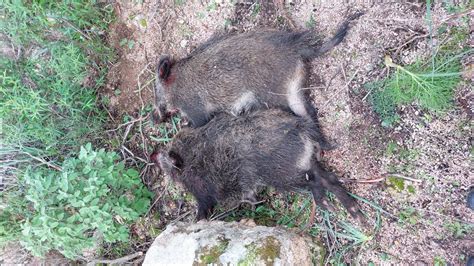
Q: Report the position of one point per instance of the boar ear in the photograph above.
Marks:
(176, 159)
(164, 67)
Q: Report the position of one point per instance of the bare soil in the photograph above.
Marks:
(437, 149)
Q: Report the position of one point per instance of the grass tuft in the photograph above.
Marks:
(430, 88)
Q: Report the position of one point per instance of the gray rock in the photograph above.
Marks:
(221, 243)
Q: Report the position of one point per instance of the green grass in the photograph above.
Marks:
(291, 210)
(429, 82)
(167, 131)
(432, 89)
(45, 102)
(49, 108)
(346, 238)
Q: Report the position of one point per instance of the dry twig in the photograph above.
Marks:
(121, 260)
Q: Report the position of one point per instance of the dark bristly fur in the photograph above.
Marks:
(237, 73)
(233, 157)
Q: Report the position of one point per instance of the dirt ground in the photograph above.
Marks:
(439, 150)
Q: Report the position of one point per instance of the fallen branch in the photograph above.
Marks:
(119, 260)
(129, 122)
(43, 161)
(382, 178)
(157, 199)
(403, 177)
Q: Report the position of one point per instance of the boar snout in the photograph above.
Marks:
(160, 114)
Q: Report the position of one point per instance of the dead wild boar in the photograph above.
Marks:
(233, 157)
(241, 72)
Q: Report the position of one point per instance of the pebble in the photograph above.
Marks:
(183, 43)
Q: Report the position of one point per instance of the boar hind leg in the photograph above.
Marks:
(330, 182)
(319, 193)
(206, 204)
(204, 194)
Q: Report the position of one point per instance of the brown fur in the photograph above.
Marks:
(243, 72)
(233, 157)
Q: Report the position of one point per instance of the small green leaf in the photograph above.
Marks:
(123, 42)
(132, 173)
(54, 224)
(131, 43)
(82, 153)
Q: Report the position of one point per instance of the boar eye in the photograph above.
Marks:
(164, 68)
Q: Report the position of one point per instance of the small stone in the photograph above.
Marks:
(183, 43)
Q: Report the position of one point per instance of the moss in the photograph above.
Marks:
(318, 253)
(268, 252)
(397, 183)
(210, 255)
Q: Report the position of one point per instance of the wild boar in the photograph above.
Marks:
(242, 72)
(233, 157)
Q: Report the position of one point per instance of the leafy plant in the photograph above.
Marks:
(311, 22)
(439, 261)
(408, 215)
(127, 42)
(458, 229)
(62, 210)
(256, 9)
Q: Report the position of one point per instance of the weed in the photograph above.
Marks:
(167, 131)
(126, 42)
(431, 88)
(201, 15)
(384, 256)
(212, 6)
(256, 9)
(311, 23)
(408, 216)
(44, 102)
(227, 23)
(49, 108)
(179, 2)
(345, 237)
(454, 7)
(397, 183)
(458, 229)
(62, 210)
(439, 261)
(392, 147)
(411, 189)
(294, 211)
(402, 161)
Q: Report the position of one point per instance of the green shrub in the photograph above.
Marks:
(62, 210)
